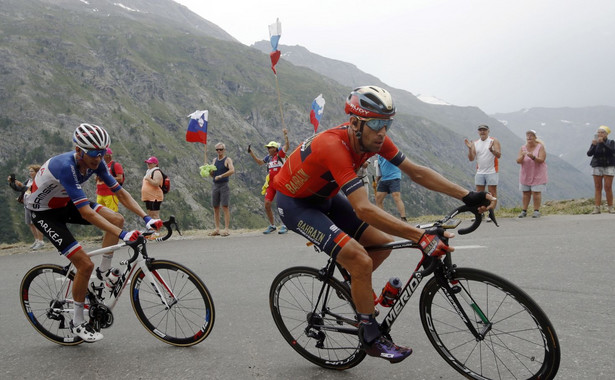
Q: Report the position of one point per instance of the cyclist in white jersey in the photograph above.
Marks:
(57, 199)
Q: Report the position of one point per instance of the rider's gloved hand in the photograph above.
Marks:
(151, 223)
(128, 236)
(476, 199)
(433, 242)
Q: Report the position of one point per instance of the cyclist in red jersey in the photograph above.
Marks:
(341, 224)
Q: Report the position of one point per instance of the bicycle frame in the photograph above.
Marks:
(138, 260)
(437, 266)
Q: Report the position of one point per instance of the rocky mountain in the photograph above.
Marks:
(459, 122)
(567, 132)
(139, 67)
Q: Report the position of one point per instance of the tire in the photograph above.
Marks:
(46, 299)
(190, 318)
(522, 343)
(292, 300)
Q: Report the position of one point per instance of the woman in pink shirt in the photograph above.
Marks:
(533, 173)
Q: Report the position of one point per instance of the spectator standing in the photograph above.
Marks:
(388, 176)
(486, 151)
(533, 173)
(104, 195)
(25, 189)
(220, 191)
(274, 161)
(602, 152)
(151, 191)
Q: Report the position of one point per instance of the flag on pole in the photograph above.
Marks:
(197, 128)
(318, 107)
(275, 32)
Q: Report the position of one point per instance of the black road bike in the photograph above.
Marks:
(482, 325)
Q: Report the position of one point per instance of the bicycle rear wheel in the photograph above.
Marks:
(46, 299)
(323, 330)
(189, 317)
(520, 342)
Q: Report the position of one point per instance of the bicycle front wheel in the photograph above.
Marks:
(173, 304)
(46, 299)
(318, 319)
(519, 340)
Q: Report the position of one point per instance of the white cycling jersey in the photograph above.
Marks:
(58, 182)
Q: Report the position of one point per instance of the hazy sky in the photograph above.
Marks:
(499, 55)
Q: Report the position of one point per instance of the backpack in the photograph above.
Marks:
(166, 182)
(113, 163)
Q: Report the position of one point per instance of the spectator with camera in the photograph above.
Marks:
(24, 191)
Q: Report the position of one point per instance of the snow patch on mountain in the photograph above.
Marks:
(432, 100)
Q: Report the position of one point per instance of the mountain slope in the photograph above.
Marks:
(138, 69)
(565, 181)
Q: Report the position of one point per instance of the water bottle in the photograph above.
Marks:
(114, 275)
(389, 292)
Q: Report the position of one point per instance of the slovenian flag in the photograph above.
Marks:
(197, 128)
(318, 107)
(275, 32)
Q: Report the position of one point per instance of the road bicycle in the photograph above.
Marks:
(170, 301)
(481, 324)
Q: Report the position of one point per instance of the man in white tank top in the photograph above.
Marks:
(486, 151)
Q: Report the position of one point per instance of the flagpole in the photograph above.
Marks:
(277, 87)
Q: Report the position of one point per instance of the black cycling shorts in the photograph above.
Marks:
(329, 223)
(53, 224)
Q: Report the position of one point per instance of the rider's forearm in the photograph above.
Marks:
(432, 180)
(129, 202)
(382, 220)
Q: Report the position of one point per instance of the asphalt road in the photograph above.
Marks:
(564, 262)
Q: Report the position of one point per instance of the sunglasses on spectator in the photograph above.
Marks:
(377, 124)
(219, 148)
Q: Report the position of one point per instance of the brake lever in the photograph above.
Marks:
(492, 217)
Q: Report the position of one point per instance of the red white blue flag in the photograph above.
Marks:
(275, 32)
(197, 128)
(318, 107)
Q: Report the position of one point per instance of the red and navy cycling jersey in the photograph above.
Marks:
(59, 182)
(326, 162)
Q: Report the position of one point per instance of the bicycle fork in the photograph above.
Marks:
(154, 278)
(452, 288)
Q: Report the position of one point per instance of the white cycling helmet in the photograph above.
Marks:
(90, 136)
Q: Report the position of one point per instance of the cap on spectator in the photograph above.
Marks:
(152, 160)
(272, 144)
(483, 126)
(109, 151)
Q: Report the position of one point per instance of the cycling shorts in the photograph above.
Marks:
(53, 224)
(328, 223)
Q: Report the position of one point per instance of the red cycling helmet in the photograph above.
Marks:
(370, 101)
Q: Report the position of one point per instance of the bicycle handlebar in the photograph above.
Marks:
(169, 226)
(444, 222)
(140, 242)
